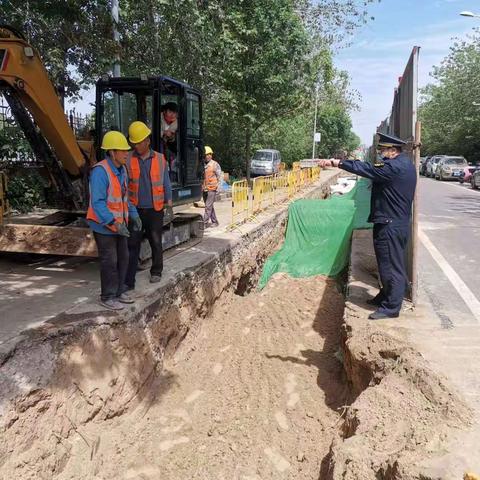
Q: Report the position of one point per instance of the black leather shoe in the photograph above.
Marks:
(374, 301)
(380, 316)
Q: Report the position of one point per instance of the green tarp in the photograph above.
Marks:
(319, 233)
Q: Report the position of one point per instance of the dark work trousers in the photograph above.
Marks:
(390, 242)
(209, 199)
(113, 256)
(152, 226)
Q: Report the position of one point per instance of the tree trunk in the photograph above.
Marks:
(248, 146)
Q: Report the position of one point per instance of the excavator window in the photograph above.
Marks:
(123, 108)
(193, 115)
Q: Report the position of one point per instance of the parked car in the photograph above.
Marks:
(466, 175)
(265, 162)
(475, 179)
(450, 168)
(423, 165)
(432, 165)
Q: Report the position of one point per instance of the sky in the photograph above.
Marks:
(380, 50)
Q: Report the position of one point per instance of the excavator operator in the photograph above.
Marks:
(149, 189)
(108, 216)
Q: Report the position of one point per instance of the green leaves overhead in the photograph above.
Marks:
(449, 111)
(257, 63)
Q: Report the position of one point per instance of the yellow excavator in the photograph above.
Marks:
(67, 160)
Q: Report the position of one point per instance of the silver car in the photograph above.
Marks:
(265, 162)
(432, 165)
(450, 168)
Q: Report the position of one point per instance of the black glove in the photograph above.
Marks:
(136, 224)
(122, 230)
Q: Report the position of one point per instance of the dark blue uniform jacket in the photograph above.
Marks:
(393, 188)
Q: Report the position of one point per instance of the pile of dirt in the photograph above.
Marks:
(403, 414)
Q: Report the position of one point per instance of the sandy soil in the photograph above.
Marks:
(254, 396)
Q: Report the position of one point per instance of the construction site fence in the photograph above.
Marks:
(267, 191)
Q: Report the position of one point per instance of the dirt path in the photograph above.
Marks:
(254, 396)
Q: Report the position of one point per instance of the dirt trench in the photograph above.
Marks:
(223, 382)
(254, 394)
(266, 388)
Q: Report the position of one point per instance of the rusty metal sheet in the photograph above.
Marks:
(43, 239)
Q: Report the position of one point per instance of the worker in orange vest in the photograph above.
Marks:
(109, 214)
(149, 189)
(211, 183)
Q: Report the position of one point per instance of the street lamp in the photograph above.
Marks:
(469, 14)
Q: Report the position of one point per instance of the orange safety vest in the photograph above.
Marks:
(116, 202)
(157, 171)
(210, 182)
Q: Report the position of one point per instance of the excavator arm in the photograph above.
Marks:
(25, 84)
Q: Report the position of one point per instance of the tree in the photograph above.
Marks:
(256, 62)
(74, 38)
(449, 114)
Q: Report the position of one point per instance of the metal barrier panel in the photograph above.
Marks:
(257, 187)
(281, 187)
(239, 202)
(268, 191)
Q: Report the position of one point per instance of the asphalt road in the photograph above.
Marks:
(449, 282)
(450, 221)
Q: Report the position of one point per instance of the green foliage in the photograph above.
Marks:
(257, 63)
(74, 38)
(26, 191)
(13, 144)
(450, 118)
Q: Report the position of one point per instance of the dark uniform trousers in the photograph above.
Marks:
(113, 256)
(152, 226)
(390, 242)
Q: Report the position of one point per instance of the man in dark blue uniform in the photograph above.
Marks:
(393, 188)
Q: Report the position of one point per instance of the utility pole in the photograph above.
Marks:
(116, 38)
(116, 65)
(315, 121)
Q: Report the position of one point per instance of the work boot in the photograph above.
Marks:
(125, 298)
(155, 278)
(111, 304)
(374, 301)
(381, 316)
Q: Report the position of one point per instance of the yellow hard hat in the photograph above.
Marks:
(114, 140)
(208, 151)
(137, 132)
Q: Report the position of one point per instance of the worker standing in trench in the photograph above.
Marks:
(393, 188)
(150, 190)
(108, 216)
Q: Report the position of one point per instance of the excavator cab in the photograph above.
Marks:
(121, 101)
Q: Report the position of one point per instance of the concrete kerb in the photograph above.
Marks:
(164, 313)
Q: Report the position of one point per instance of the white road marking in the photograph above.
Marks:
(460, 286)
(458, 185)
